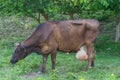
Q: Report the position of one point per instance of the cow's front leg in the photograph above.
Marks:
(53, 59)
(42, 69)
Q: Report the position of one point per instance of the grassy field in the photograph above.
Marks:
(107, 67)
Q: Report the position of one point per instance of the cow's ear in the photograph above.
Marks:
(15, 45)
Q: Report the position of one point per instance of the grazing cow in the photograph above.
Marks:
(67, 36)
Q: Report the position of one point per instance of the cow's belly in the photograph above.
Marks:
(69, 38)
(70, 45)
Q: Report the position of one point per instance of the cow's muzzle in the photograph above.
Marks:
(13, 61)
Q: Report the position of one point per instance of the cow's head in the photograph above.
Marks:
(20, 52)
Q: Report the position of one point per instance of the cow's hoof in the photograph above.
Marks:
(92, 65)
(39, 72)
(87, 68)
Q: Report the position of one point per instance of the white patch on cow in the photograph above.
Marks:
(16, 44)
(68, 53)
(82, 53)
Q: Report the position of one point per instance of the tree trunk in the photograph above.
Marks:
(117, 33)
(46, 17)
(38, 18)
(117, 29)
(71, 16)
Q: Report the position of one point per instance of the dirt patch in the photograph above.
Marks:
(31, 76)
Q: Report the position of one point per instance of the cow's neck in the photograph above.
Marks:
(30, 48)
(30, 42)
(33, 39)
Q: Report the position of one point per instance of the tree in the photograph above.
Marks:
(100, 9)
(117, 29)
(87, 8)
(30, 8)
(114, 6)
(69, 7)
(108, 8)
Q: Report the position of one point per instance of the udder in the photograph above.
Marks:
(82, 54)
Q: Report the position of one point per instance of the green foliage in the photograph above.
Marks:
(99, 9)
(28, 8)
(14, 29)
(71, 76)
(54, 75)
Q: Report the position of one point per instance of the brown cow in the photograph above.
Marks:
(68, 36)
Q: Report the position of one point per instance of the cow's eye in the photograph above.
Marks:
(15, 51)
(25, 50)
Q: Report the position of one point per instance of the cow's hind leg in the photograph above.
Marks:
(42, 68)
(90, 48)
(93, 60)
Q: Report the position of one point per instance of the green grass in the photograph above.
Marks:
(107, 67)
